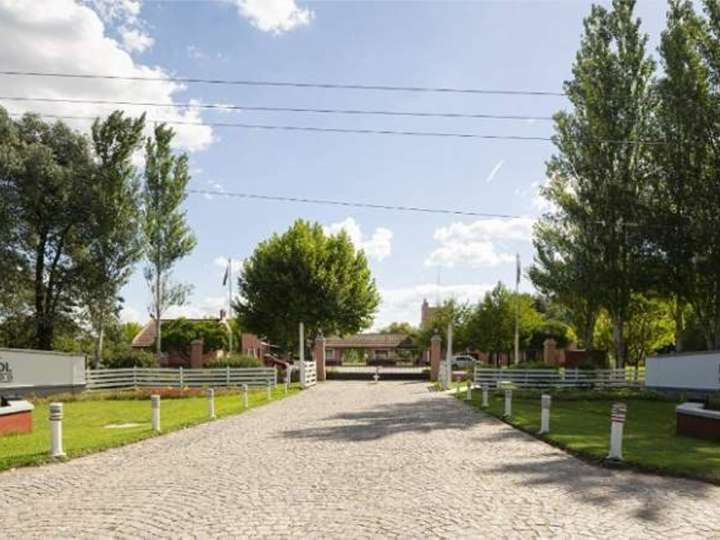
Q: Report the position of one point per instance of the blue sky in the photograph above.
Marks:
(515, 45)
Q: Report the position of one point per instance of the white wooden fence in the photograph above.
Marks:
(310, 372)
(161, 377)
(557, 378)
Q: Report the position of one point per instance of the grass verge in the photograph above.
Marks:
(580, 424)
(87, 415)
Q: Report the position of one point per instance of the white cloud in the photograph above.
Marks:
(378, 246)
(275, 16)
(237, 264)
(66, 37)
(135, 40)
(494, 171)
(209, 306)
(130, 314)
(403, 304)
(474, 244)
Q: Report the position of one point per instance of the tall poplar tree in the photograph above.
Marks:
(601, 159)
(167, 235)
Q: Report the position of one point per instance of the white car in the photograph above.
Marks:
(462, 361)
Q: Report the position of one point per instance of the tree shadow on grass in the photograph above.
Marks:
(422, 416)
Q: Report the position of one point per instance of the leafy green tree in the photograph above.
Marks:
(400, 328)
(180, 333)
(46, 179)
(600, 166)
(305, 275)
(166, 233)
(113, 243)
(451, 311)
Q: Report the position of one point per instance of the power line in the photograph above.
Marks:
(285, 84)
(353, 204)
(273, 127)
(255, 108)
(277, 127)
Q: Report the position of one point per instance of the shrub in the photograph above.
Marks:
(128, 359)
(178, 334)
(533, 365)
(713, 402)
(235, 361)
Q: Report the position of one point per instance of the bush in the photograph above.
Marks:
(178, 334)
(532, 365)
(128, 359)
(235, 361)
(712, 402)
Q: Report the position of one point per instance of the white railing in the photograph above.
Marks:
(557, 378)
(310, 373)
(160, 377)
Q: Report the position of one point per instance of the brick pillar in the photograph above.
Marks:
(319, 355)
(196, 354)
(549, 351)
(435, 355)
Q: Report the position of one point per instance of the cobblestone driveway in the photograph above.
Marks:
(349, 460)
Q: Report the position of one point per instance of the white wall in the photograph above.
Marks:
(20, 368)
(691, 371)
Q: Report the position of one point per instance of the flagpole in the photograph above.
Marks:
(517, 310)
(230, 340)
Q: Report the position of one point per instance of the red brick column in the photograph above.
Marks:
(196, 354)
(319, 355)
(435, 355)
(549, 351)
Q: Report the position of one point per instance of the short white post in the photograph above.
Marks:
(619, 410)
(269, 390)
(211, 402)
(181, 377)
(468, 396)
(485, 395)
(508, 403)
(155, 405)
(56, 443)
(245, 395)
(301, 338)
(545, 401)
(227, 375)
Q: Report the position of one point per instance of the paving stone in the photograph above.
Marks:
(350, 459)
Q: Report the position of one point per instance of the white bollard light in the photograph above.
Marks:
(155, 404)
(211, 402)
(619, 410)
(508, 403)
(468, 395)
(269, 390)
(245, 395)
(55, 417)
(545, 401)
(287, 380)
(485, 395)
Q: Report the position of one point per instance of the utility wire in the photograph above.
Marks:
(253, 108)
(352, 204)
(290, 84)
(274, 127)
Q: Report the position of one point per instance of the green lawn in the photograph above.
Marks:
(84, 423)
(582, 426)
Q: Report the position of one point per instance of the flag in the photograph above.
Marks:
(519, 270)
(227, 273)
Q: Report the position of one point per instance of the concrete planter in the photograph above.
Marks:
(16, 417)
(694, 420)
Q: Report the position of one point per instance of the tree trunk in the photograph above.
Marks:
(158, 330)
(618, 342)
(99, 345)
(679, 320)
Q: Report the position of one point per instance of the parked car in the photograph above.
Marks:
(463, 361)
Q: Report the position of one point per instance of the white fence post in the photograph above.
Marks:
(301, 337)
(211, 403)
(485, 395)
(508, 403)
(55, 417)
(619, 410)
(288, 375)
(155, 405)
(227, 375)
(245, 395)
(181, 377)
(545, 401)
(135, 376)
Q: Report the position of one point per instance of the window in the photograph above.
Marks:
(330, 354)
